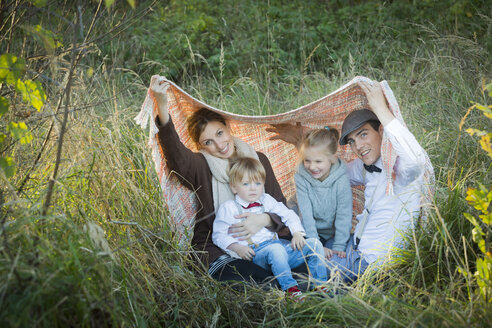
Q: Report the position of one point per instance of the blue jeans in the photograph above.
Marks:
(352, 266)
(328, 243)
(280, 257)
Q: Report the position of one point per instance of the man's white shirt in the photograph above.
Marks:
(390, 216)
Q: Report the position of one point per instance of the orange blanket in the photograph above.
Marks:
(329, 110)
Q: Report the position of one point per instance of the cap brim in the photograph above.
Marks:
(343, 138)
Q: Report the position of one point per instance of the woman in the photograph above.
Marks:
(205, 173)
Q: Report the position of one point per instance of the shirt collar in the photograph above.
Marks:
(244, 203)
(379, 163)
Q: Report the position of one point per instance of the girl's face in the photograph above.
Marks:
(317, 162)
(217, 140)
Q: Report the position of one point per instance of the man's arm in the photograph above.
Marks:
(377, 101)
(411, 156)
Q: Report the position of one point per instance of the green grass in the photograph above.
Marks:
(53, 272)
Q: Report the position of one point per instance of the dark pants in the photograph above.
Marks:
(247, 271)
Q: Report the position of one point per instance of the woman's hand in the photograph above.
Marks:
(328, 253)
(298, 242)
(251, 224)
(287, 132)
(158, 86)
(245, 252)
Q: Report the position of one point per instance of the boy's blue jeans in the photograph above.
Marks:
(280, 257)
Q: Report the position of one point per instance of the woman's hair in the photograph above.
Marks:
(246, 166)
(327, 137)
(199, 120)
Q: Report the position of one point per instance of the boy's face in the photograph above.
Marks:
(366, 143)
(249, 191)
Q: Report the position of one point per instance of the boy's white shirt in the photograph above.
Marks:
(390, 215)
(225, 217)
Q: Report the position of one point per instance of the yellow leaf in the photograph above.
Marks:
(486, 144)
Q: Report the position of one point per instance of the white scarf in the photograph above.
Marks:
(221, 191)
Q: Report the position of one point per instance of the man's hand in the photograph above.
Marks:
(298, 242)
(287, 132)
(245, 252)
(377, 101)
(251, 224)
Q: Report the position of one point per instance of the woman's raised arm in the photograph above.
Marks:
(158, 91)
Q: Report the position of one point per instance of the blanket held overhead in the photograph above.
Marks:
(329, 110)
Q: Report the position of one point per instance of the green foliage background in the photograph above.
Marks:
(100, 252)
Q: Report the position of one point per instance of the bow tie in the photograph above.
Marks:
(254, 204)
(372, 168)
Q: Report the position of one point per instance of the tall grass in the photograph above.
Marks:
(104, 255)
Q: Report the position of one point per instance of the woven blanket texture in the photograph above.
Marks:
(329, 110)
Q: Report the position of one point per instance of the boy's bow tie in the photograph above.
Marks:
(253, 204)
(372, 168)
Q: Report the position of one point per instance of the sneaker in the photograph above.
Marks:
(295, 294)
(324, 291)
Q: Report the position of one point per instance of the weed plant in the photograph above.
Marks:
(104, 253)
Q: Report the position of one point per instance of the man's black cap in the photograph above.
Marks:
(355, 120)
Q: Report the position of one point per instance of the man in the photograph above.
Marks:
(385, 218)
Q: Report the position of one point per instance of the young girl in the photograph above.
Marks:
(324, 195)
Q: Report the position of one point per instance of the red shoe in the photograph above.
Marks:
(295, 294)
(323, 290)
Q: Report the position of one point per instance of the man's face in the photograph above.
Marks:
(366, 143)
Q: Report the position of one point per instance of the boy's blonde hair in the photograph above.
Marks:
(246, 167)
(327, 137)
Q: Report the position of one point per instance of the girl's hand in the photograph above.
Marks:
(245, 252)
(341, 254)
(251, 224)
(157, 90)
(298, 242)
(328, 253)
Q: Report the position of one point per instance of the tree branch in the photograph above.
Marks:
(73, 63)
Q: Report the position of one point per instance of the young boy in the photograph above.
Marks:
(246, 179)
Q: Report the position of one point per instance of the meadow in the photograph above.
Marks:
(85, 240)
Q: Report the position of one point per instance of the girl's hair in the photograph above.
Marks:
(327, 137)
(246, 166)
(199, 120)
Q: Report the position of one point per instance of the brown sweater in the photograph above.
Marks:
(194, 173)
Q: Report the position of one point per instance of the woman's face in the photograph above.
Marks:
(217, 140)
